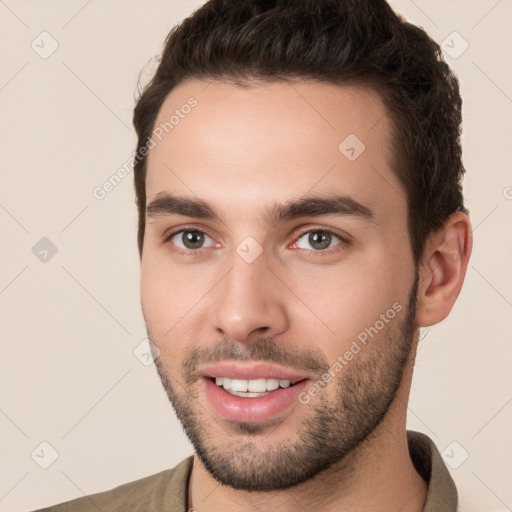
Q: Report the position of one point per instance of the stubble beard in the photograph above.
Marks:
(334, 424)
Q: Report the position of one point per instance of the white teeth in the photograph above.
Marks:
(257, 385)
(238, 385)
(246, 394)
(271, 384)
(246, 387)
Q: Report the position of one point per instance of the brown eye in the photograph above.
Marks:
(317, 240)
(320, 240)
(190, 239)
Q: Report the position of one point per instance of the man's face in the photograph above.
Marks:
(279, 281)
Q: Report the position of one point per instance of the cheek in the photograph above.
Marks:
(154, 287)
(169, 294)
(336, 306)
(165, 310)
(160, 293)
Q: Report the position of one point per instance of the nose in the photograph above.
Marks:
(250, 302)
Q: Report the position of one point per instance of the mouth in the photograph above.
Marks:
(252, 392)
(253, 388)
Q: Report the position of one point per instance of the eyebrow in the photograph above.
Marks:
(313, 206)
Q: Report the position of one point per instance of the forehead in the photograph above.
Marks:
(273, 141)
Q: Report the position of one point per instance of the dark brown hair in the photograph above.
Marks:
(361, 42)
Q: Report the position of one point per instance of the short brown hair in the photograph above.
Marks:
(336, 41)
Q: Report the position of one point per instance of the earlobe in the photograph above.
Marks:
(443, 269)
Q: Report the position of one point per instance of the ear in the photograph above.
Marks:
(443, 268)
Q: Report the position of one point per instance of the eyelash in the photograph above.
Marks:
(344, 242)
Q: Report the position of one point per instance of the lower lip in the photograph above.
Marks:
(253, 410)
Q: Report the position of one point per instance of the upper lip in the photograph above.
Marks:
(248, 371)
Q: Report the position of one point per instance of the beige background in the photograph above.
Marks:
(69, 326)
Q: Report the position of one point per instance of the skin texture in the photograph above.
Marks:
(244, 150)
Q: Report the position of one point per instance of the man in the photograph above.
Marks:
(298, 179)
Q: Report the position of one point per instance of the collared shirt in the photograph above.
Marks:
(167, 491)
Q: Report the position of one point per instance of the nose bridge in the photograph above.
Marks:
(249, 301)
